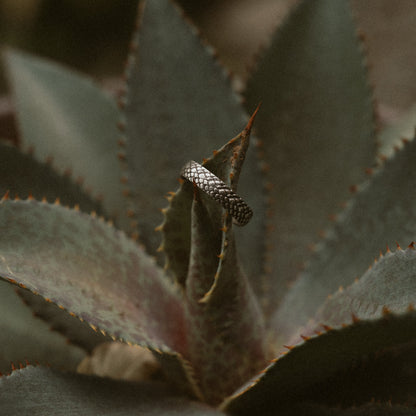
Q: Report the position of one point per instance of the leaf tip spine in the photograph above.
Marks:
(386, 311)
(6, 196)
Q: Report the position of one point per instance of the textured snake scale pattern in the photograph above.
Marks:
(218, 190)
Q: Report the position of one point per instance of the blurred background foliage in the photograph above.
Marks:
(93, 37)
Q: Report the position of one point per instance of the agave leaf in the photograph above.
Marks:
(216, 288)
(22, 175)
(373, 409)
(382, 212)
(22, 336)
(87, 267)
(176, 228)
(316, 122)
(179, 107)
(35, 390)
(292, 377)
(384, 377)
(387, 375)
(213, 280)
(74, 330)
(67, 117)
(390, 284)
(392, 136)
(226, 330)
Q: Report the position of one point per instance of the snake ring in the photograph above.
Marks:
(218, 190)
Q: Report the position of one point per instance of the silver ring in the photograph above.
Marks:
(218, 190)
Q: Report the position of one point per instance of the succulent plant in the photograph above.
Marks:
(235, 325)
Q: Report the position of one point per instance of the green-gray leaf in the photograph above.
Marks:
(67, 117)
(373, 409)
(22, 176)
(392, 135)
(390, 284)
(76, 332)
(292, 377)
(25, 337)
(316, 125)
(28, 338)
(90, 269)
(382, 212)
(180, 107)
(42, 391)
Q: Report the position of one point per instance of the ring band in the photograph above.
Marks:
(218, 190)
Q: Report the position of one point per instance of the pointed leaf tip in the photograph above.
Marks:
(252, 118)
(6, 196)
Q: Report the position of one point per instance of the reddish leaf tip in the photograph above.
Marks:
(369, 171)
(353, 189)
(121, 125)
(251, 120)
(289, 347)
(332, 217)
(130, 213)
(386, 311)
(327, 327)
(6, 196)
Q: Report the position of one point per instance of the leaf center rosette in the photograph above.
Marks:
(226, 333)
